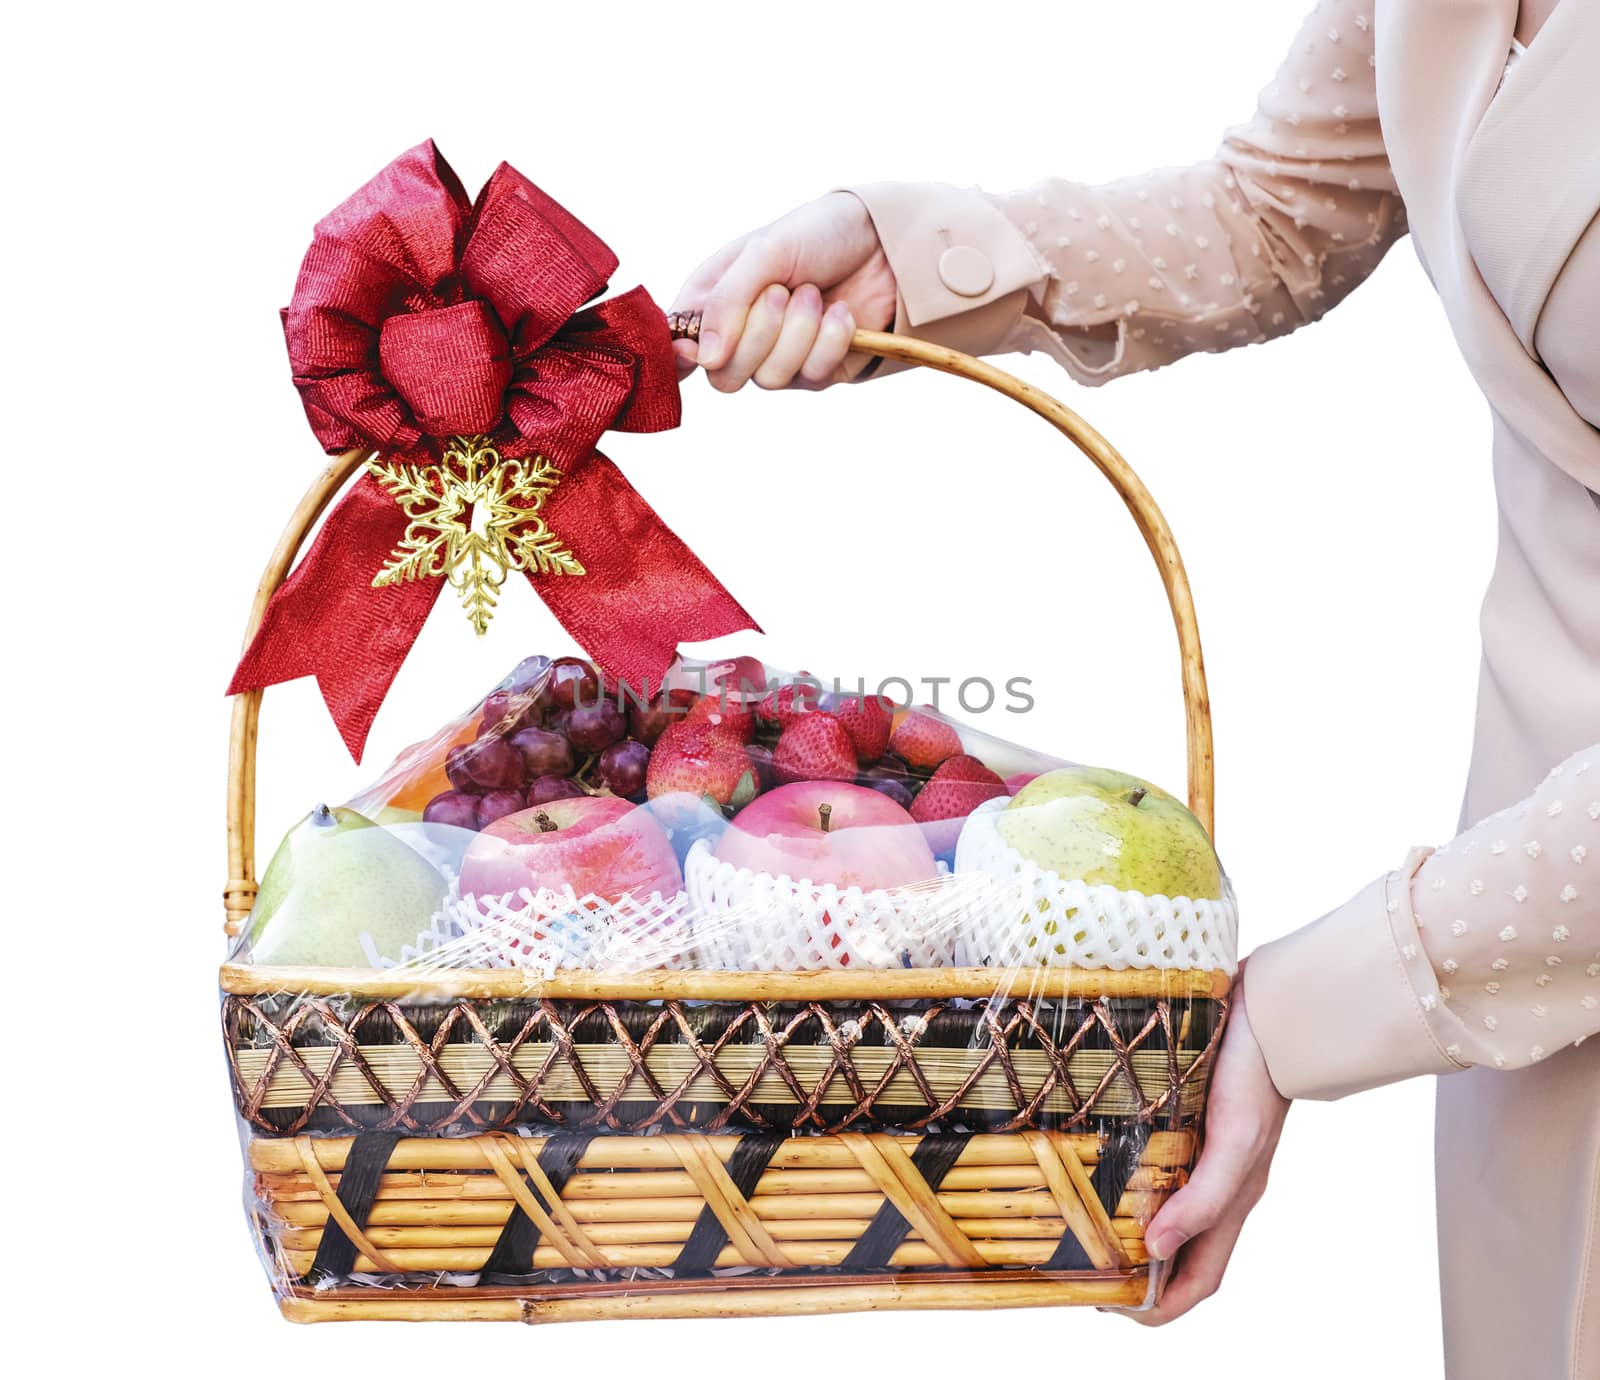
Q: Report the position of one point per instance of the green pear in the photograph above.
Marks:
(335, 877)
(1110, 829)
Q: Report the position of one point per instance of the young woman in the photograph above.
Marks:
(1475, 125)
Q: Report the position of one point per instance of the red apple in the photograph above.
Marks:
(829, 831)
(596, 844)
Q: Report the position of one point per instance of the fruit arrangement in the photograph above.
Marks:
(734, 819)
(554, 730)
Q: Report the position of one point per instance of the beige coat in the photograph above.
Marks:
(1481, 959)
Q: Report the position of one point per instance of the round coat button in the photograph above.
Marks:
(966, 271)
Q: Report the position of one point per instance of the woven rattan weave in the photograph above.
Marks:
(323, 1063)
(549, 1211)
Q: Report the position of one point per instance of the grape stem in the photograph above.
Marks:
(580, 777)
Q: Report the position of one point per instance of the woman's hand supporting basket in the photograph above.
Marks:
(1244, 1118)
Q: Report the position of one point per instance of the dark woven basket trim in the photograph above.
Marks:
(358, 1186)
(280, 1030)
(933, 1158)
(746, 1165)
(513, 1251)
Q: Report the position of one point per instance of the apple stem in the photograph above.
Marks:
(825, 814)
(322, 816)
(1137, 794)
(545, 823)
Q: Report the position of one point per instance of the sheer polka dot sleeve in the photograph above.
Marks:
(1297, 207)
(1482, 953)
(1508, 924)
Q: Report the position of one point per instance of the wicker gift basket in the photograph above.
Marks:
(559, 1143)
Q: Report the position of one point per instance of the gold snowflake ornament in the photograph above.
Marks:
(474, 518)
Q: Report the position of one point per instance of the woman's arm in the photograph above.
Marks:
(1296, 208)
(1483, 952)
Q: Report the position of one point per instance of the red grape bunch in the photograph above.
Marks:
(549, 732)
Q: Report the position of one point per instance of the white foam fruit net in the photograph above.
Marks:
(752, 921)
(996, 909)
(1035, 917)
(551, 930)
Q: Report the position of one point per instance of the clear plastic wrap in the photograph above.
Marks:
(737, 993)
(743, 992)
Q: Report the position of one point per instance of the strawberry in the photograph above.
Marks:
(728, 714)
(867, 719)
(815, 747)
(701, 759)
(788, 703)
(925, 741)
(955, 790)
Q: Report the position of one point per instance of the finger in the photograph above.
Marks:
(687, 357)
(801, 323)
(825, 362)
(1199, 1274)
(728, 303)
(870, 302)
(762, 326)
(697, 286)
(1225, 1164)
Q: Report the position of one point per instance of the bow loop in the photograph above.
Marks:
(634, 324)
(564, 399)
(533, 259)
(450, 366)
(409, 218)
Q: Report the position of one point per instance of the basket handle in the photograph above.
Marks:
(240, 893)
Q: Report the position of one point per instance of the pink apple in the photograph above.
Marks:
(828, 831)
(596, 844)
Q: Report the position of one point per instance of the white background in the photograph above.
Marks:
(1330, 492)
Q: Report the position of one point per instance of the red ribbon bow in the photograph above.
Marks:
(419, 316)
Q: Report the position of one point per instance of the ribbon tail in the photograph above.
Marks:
(644, 591)
(327, 621)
